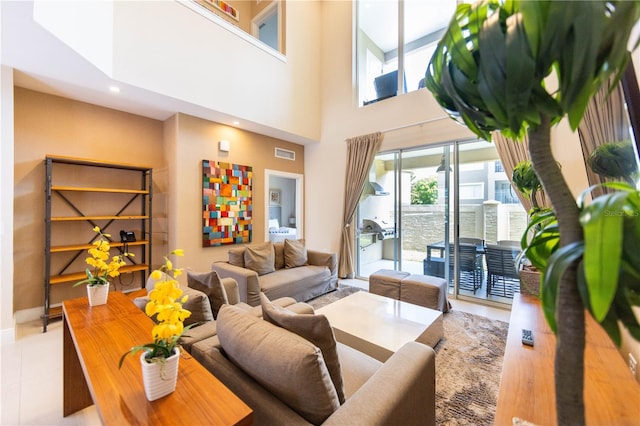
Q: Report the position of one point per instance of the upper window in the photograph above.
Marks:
(395, 41)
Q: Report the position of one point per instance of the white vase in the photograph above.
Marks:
(159, 377)
(98, 294)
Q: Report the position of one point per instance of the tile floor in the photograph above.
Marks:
(31, 372)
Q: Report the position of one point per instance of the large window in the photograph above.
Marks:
(395, 41)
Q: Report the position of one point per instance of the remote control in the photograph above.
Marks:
(527, 337)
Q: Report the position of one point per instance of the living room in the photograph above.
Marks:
(303, 103)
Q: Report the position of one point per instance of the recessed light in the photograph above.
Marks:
(114, 89)
(235, 122)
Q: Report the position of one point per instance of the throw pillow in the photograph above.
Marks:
(278, 248)
(260, 258)
(197, 303)
(209, 283)
(295, 253)
(236, 257)
(314, 328)
(285, 364)
(151, 283)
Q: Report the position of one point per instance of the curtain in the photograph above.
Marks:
(605, 120)
(361, 152)
(511, 153)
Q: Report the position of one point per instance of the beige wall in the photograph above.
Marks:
(193, 140)
(46, 124)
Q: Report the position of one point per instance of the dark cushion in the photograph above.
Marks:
(260, 258)
(209, 283)
(315, 329)
(295, 253)
(288, 366)
(197, 303)
(236, 256)
(278, 248)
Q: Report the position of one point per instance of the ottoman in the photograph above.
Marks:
(386, 282)
(425, 290)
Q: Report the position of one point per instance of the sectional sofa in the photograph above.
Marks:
(289, 369)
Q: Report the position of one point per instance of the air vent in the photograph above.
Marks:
(285, 154)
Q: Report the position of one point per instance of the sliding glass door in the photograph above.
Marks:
(433, 210)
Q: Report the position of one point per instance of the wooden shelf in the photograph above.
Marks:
(95, 163)
(55, 312)
(76, 218)
(110, 190)
(79, 247)
(71, 197)
(79, 276)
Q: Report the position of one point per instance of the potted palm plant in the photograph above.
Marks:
(490, 71)
(615, 160)
(526, 180)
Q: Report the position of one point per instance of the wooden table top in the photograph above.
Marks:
(101, 335)
(612, 396)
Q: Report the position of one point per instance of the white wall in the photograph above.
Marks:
(166, 47)
(341, 119)
(6, 206)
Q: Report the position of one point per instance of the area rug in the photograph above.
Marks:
(468, 364)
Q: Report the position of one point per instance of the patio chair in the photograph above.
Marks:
(470, 264)
(502, 268)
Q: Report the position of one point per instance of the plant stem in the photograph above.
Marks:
(570, 319)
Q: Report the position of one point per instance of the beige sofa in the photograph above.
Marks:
(284, 269)
(288, 379)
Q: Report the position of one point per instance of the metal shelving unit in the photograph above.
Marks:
(132, 206)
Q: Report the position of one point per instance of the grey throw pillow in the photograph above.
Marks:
(284, 363)
(314, 328)
(209, 283)
(197, 303)
(260, 258)
(236, 256)
(295, 253)
(278, 248)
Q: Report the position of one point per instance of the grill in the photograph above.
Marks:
(385, 230)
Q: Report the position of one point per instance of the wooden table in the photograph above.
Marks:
(612, 396)
(94, 340)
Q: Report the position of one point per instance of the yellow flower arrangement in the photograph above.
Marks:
(166, 304)
(102, 267)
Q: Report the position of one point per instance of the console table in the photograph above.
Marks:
(611, 394)
(96, 337)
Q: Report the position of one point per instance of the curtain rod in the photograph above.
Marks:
(419, 123)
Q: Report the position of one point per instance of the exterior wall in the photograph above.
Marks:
(491, 221)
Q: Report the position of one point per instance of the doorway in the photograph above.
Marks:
(283, 205)
(439, 207)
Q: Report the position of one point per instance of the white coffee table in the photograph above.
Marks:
(379, 326)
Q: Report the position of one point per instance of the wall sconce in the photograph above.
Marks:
(223, 145)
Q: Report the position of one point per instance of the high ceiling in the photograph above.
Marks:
(45, 64)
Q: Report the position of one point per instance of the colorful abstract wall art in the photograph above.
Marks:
(226, 203)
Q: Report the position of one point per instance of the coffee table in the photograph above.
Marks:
(379, 326)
